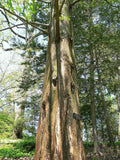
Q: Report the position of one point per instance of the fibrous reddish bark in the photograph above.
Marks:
(59, 134)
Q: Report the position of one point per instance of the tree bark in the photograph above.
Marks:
(92, 93)
(19, 119)
(118, 96)
(59, 134)
(92, 81)
(111, 140)
(118, 104)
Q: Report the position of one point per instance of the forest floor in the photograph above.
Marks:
(105, 153)
(24, 150)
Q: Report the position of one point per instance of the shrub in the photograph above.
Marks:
(6, 125)
(27, 145)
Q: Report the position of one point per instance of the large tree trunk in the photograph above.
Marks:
(59, 134)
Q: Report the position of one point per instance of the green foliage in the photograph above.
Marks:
(96, 30)
(19, 123)
(88, 144)
(13, 153)
(21, 149)
(64, 17)
(117, 143)
(27, 145)
(6, 125)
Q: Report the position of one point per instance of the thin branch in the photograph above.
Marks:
(41, 24)
(11, 27)
(23, 20)
(7, 88)
(8, 49)
(61, 6)
(4, 73)
(75, 2)
(111, 4)
(44, 1)
(16, 99)
(17, 26)
(33, 37)
(44, 31)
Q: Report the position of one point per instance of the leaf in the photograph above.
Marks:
(18, 9)
(64, 17)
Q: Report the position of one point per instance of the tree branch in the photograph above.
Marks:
(33, 37)
(11, 27)
(111, 4)
(5, 71)
(75, 3)
(40, 29)
(61, 6)
(44, 1)
(41, 24)
(23, 20)
(16, 33)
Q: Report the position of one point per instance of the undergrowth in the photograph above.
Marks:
(24, 148)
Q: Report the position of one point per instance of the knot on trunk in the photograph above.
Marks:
(43, 105)
(72, 88)
(54, 81)
(77, 117)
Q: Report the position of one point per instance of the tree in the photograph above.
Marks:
(58, 129)
(96, 33)
(118, 95)
(33, 65)
(111, 140)
(59, 134)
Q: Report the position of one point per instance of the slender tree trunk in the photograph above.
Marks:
(86, 132)
(102, 130)
(59, 134)
(118, 104)
(118, 96)
(92, 82)
(19, 120)
(109, 131)
(92, 93)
